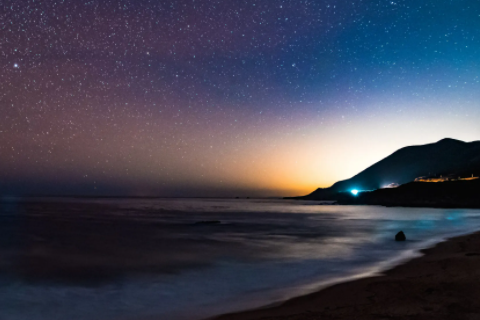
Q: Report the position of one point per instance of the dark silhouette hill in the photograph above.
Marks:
(451, 194)
(445, 157)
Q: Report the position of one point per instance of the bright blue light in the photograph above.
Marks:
(354, 192)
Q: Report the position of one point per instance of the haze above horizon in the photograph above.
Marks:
(221, 98)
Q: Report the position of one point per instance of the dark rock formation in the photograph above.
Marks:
(400, 236)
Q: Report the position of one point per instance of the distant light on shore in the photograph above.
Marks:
(354, 192)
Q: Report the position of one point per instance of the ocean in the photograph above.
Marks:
(189, 259)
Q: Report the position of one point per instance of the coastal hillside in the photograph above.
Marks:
(451, 194)
(445, 157)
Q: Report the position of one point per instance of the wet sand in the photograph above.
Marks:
(442, 284)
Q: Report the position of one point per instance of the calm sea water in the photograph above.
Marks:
(150, 259)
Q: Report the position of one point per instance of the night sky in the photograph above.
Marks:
(227, 98)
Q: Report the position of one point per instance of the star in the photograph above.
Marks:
(15, 65)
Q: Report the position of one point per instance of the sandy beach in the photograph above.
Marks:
(444, 283)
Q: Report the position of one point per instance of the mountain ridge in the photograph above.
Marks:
(445, 157)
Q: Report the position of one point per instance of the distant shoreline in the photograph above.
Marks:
(135, 197)
(441, 284)
(445, 195)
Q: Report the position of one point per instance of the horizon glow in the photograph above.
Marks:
(237, 99)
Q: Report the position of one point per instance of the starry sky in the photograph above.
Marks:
(227, 98)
